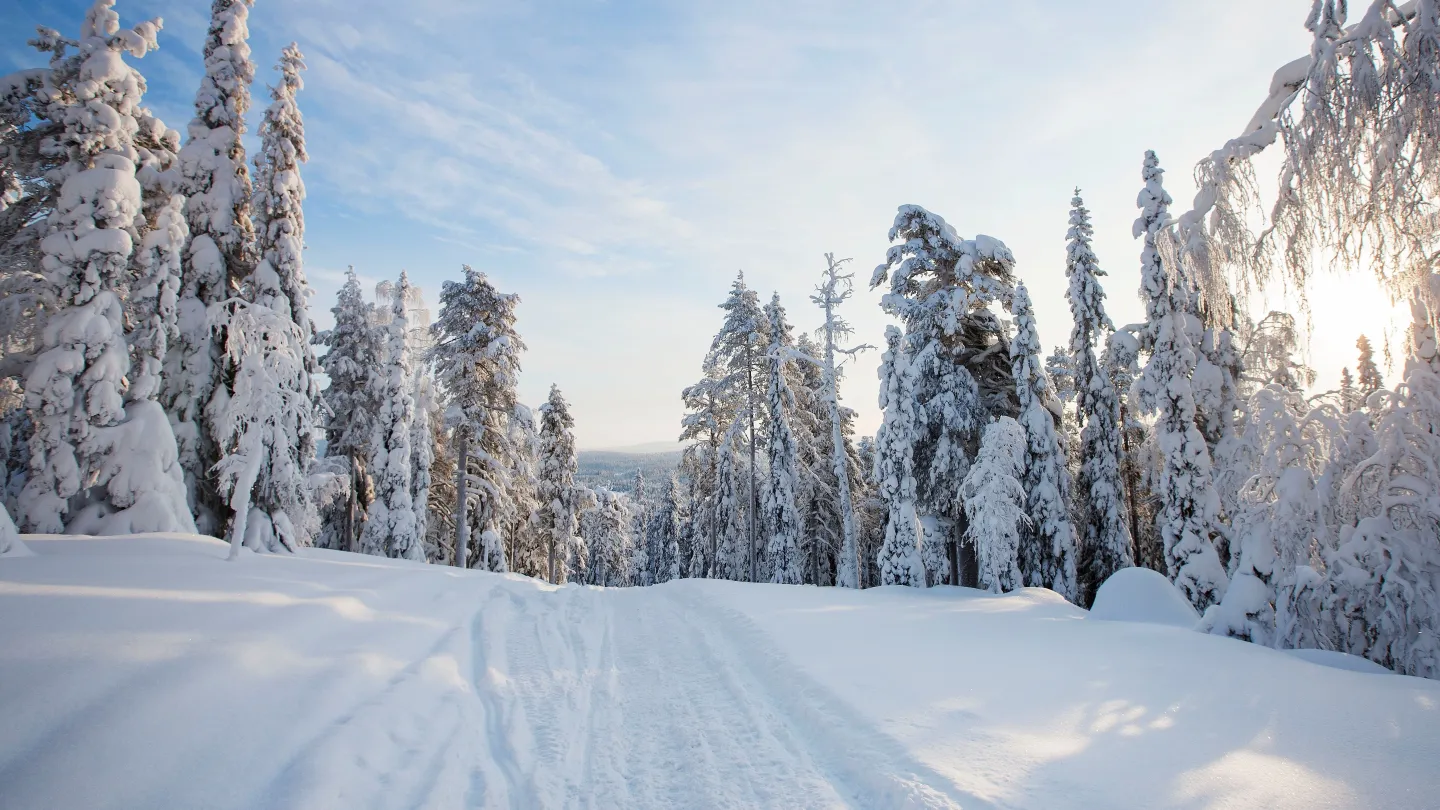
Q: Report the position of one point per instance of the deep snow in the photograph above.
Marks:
(147, 672)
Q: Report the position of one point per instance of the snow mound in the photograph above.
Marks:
(1142, 595)
(1339, 660)
(10, 545)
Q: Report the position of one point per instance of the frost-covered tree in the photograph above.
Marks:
(1382, 594)
(708, 416)
(1047, 550)
(899, 557)
(107, 464)
(1369, 380)
(664, 532)
(264, 425)
(559, 497)
(1348, 396)
(995, 505)
(1189, 510)
(390, 529)
(222, 249)
(1107, 546)
(526, 551)
(782, 519)
(957, 356)
(835, 289)
(738, 353)
(730, 557)
(477, 362)
(1277, 526)
(440, 522)
(607, 527)
(353, 345)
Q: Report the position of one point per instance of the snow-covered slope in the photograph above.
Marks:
(147, 672)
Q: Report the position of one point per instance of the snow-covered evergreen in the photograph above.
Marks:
(664, 531)
(477, 362)
(1189, 511)
(10, 545)
(899, 556)
(422, 455)
(730, 558)
(782, 519)
(222, 248)
(738, 353)
(1047, 551)
(95, 458)
(1369, 380)
(390, 529)
(995, 505)
(559, 497)
(1107, 546)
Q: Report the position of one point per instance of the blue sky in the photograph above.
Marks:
(616, 163)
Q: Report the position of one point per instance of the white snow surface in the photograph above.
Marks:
(1141, 595)
(147, 671)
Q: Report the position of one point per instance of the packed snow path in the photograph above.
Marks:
(147, 672)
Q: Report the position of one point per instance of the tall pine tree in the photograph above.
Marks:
(391, 529)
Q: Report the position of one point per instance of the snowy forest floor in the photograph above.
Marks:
(147, 672)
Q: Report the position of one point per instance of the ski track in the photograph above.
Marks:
(599, 699)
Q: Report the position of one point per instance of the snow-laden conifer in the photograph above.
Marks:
(1047, 552)
(738, 352)
(390, 529)
(608, 530)
(112, 462)
(422, 454)
(782, 456)
(10, 544)
(1369, 380)
(899, 557)
(477, 361)
(664, 532)
(1277, 525)
(559, 498)
(730, 558)
(1348, 396)
(1189, 505)
(995, 505)
(1107, 546)
(222, 250)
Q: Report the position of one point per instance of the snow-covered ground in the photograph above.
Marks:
(147, 672)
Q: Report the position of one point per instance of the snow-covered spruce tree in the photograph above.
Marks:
(353, 347)
(995, 504)
(1047, 551)
(477, 361)
(816, 489)
(1107, 546)
(899, 557)
(641, 573)
(693, 549)
(1348, 396)
(834, 290)
(280, 193)
(1382, 593)
(782, 457)
(1278, 521)
(1189, 505)
(526, 552)
(95, 458)
(664, 532)
(264, 419)
(730, 559)
(608, 536)
(942, 287)
(222, 250)
(559, 497)
(738, 352)
(708, 416)
(390, 528)
(1137, 459)
(1369, 380)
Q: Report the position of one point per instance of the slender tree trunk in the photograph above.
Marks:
(552, 557)
(462, 524)
(1129, 485)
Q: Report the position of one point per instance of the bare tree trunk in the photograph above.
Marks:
(462, 524)
(552, 557)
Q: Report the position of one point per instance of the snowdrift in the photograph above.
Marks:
(146, 672)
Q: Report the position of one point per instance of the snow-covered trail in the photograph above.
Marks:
(148, 672)
(650, 700)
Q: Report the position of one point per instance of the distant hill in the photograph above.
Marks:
(615, 470)
(648, 448)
